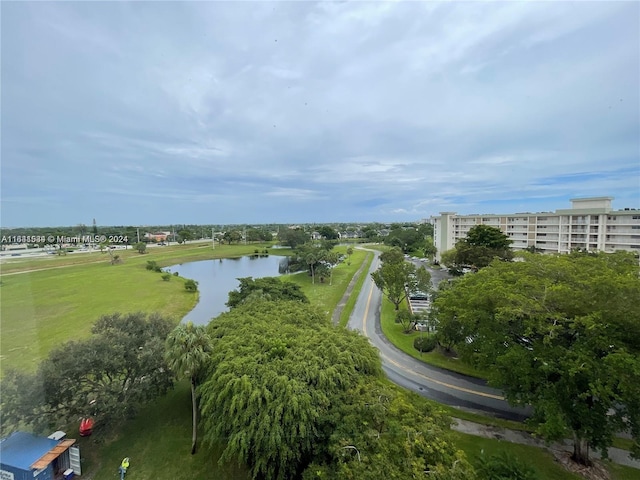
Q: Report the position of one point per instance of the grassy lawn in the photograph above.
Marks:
(43, 309)
(541, 460)
(620, 472)
(404, 341)
(158, 443)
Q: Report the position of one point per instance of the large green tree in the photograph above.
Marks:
(188, 350)
(561, 333)
(276, 367)
(288, 392)
(328, 232)
(107, 376)
(292, 237)
(232, 236)
(481, 246)
(407, 239)
(313, 255)
(380, 431)
(397, 278)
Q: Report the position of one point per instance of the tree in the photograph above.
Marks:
(259, 234)
(380, 431)
(270, 288)
(407, 239)
(185, 235)
(328, 233)
(331, 260)
(276, 369)
(232, 236)
(292, 237)
(141, 247)
(188, 349)
(406, 319)
(430, 249)
(107, 376)
(312, 255)
(349, 253)
(396, 278)
(561, 333)
(482, 245)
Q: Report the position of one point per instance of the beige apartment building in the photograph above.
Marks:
(589, 224)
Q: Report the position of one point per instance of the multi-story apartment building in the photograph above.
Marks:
(589, 224)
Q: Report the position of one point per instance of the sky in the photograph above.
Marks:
(238, 112)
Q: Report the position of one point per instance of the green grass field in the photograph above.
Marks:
(158, 442)
(61, 300)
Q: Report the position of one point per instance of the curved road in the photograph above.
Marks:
(432, 382)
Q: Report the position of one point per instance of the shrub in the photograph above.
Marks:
(425, 344)
(152, 265)
(256, 251)
(191, 286)
(504, 466)
(166, 277)
(175, 274)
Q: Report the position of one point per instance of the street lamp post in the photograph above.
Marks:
(354, 448)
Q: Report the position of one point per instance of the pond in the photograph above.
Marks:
(216, 278)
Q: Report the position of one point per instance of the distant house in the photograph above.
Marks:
(24, 456)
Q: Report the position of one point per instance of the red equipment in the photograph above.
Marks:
(86, 425)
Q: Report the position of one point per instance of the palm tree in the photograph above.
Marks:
(187, 353)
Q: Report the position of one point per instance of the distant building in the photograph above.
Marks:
(24, 456)
(589, 224)
(157, 237)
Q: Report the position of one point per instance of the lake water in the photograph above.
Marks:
(216, 278)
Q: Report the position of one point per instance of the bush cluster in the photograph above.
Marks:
(425, 344)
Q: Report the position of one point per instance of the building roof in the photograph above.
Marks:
(21, 450)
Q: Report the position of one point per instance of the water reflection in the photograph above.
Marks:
(216, 278)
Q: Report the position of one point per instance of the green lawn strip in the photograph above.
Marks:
(353, 298)
(541, 460)
(404, 341)
(622, 472)
(158, 442)
(623, 443)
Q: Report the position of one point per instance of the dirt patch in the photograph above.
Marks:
(597, 471)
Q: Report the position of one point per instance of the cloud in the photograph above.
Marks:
(228, 112)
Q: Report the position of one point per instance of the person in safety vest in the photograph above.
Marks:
(123, 467)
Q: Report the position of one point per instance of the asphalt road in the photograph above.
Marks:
(435, 383)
